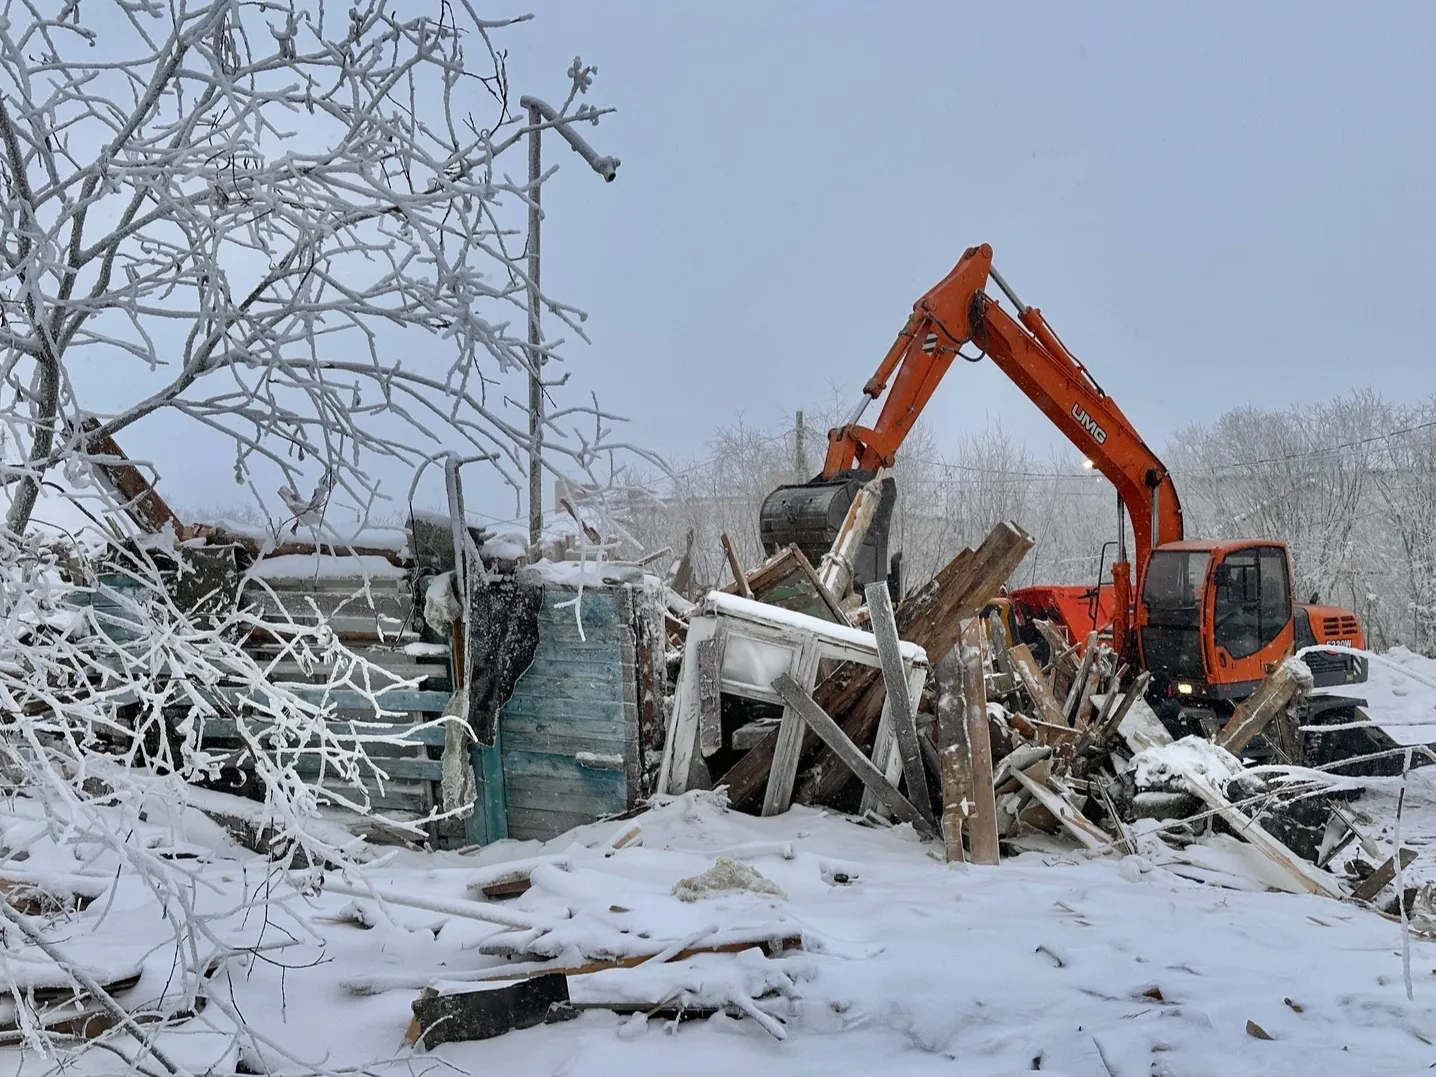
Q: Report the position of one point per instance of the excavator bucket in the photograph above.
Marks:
(810, 514)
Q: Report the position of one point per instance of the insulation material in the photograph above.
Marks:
(726, 874)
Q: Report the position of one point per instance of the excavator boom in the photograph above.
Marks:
(956, 314)
(1213, 615)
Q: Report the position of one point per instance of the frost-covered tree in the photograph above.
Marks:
(289, 226)
(285, 222)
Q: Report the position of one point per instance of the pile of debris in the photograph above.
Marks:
(789, 685)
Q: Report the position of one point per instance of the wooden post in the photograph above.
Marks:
(802, 704)
(779, 795)
(955, 766)
(982, 828)
(902, 708)
(740, 577)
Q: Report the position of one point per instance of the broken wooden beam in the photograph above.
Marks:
(982, 826)
(1286, 685)
(1379, 879)
(1110, 723)
(1073, 821)
(1310, 878)
(836, 569)
(1038, 690)
(1073, 701)
(902, 710)
(829, 732)
(740, 577)
(931, 618)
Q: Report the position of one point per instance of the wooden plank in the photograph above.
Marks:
(228, 729)
(740, 577)
(778, 797)
(1379, 879)
(680, 749)
(885, 755)
(709, 657)
(955, 764)
(1025, 666)
(829, 732)
(1111, 723)
(1073, 821)
(551, 738)
(1079, 679)
(997, 633)
(1287, 683)
(982, 825)
(902, 711)
(395, 767)
(398, 700)
(1307, 876)
(931, 618)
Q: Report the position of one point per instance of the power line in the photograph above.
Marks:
(1013, 474)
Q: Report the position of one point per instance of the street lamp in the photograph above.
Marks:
(541, 113)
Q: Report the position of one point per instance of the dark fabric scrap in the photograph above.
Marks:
(503, 636)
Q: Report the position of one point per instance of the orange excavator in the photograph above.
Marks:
(1210, 617)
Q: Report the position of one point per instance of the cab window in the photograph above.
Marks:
(1253, 600)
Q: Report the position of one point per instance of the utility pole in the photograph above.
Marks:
(800, 454)
(539, 114)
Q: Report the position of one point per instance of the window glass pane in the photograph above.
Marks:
(1237, 623)
(1275, 593)
(754, 663)
(1172, 595)
(1174, 580)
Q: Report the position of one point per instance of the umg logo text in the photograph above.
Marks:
(1089, 424)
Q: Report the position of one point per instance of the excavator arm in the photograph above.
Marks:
(957, 313)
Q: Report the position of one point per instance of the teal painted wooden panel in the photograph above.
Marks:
(572, 702)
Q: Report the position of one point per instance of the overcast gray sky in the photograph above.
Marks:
(1215, 205)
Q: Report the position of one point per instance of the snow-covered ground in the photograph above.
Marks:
(1054, 961)
(1401, 692)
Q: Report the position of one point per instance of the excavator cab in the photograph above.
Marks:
(1214, 616)
(810, 514)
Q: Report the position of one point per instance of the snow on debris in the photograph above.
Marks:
(324, 566)
(735, 606)
(1166, 763)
